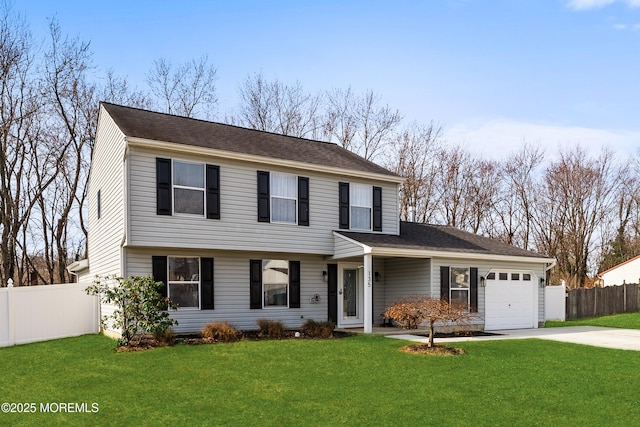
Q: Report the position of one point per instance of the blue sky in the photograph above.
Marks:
(492, 72)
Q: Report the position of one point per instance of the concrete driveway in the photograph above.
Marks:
(625, 339)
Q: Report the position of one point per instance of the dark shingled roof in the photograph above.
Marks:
(439, 238)
(182, 130)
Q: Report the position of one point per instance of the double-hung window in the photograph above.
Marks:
(361, 198)
(275, 283)
(184, 281)
(459, 289)
(284, 197)
(188, 188)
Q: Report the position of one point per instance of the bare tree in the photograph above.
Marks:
(455, 176)
(359, 123)
(514, 210)
(188, 89)
(72, 110)
(116, 90)
(578, 192)
(273, 106)
(19, 110)
(413, 155)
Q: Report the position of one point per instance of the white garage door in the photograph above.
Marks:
(510, 300)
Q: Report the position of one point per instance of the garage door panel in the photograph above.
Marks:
(509, 304)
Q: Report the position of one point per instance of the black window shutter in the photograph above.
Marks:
(377, 208)
(206, 283)
(294, 284)
(163, 186)
(255, 287)
(213, 192)
(263, 197)
(444, 283)
(332, 292)
(303, 200)
(344, 205)
(473, 289)
(159, 267)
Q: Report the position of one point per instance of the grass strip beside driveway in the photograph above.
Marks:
(625, 321)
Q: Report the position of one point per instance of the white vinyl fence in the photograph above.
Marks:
(554, 302)
(40, 313)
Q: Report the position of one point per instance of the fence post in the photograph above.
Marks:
(10, 314)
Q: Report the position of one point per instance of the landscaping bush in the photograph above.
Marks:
(314, 329)
(221, 332)
(271, 328)
(139, 308)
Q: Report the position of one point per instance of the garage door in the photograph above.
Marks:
(510, 300)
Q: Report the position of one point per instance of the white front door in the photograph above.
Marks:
(350, 295)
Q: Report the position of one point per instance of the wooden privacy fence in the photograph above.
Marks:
(594, 302)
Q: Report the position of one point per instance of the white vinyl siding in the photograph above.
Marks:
(107, 177)
(238, 228)
(231, 288)
(406, 276)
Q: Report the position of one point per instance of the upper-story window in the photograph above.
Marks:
(188, 188)
(360, 196)
(360, 207)
(284, 197)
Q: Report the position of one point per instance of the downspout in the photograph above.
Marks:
(125, 202)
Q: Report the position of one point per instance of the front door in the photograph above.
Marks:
(350, 295)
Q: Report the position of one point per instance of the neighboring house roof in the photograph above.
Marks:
(155, 126)
(615, 267)
(439, 238)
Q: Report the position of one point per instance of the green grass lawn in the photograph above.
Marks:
(627, 321)
(361, 380)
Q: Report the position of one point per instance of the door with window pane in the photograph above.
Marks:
(350, 294)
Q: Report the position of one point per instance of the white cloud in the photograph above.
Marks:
(500, 137)
(597, 4)
(619, 27)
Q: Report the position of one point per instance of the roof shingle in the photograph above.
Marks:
(182, 130)
(438, 238)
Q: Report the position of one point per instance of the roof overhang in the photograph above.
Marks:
(383, 251)
(272, 161)
(78, 266)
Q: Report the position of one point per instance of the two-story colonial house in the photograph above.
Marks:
(242, 225)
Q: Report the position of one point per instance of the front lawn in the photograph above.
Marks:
(361, 380)
(626, 321)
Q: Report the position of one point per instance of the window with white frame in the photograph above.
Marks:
(284, 197)
(459, 286)
(360, 200)
(184, 281)
(188, 188)
(275, 283)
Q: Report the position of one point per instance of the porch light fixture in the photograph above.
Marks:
(324, 276)
(482, 281)
(377, 276)
(542, 282)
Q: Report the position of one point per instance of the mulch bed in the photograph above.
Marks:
(148, 342)
(436, 349)
(458, 334)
